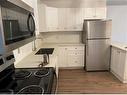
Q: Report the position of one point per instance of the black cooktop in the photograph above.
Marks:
(24, 81)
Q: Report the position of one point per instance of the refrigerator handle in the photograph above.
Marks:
(86, 29)
(87, 48)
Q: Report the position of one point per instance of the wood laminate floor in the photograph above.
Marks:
(77, 81)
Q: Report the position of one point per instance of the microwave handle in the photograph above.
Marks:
(30, 16)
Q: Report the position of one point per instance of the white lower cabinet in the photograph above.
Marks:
(71, 56)
(119, 63)
(75, 58)
(62, 57)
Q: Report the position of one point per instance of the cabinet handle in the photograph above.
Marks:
(75, 48)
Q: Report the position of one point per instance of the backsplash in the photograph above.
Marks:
(25, 50)
(61, 37)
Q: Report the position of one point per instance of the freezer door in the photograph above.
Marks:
(97, 55)
(98, 29)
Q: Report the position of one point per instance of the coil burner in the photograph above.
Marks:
(31, 89)
(42, 72)
(22, 74)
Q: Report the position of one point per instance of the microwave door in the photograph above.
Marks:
(11, 30)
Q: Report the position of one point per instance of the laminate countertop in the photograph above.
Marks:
(122, 46)
(32, 60)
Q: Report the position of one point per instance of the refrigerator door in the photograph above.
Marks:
(98, 29)
(97, 55)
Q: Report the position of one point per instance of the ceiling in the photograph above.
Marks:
(81, 3)
(72, 3)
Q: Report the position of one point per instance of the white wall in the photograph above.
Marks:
(27, 49)
(118, 14)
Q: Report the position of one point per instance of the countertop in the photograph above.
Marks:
(119, 45)
(33, 60)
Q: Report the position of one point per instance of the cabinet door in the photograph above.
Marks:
(90, 13)
(62, 57)
(118, 59)
(72, 19)
(114, 59)
(41, 16)
(71, 56)
(121, 64)
(66, 19)
(61, 18)
(100, 13)
(79, 19)
(51, 18)
(100, 9)
(75, 58)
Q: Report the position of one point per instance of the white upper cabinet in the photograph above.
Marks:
(69, 19)
(100, 13)
(61, 17)
(52, 18)
(42, 16)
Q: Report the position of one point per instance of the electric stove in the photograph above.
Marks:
(27, 80)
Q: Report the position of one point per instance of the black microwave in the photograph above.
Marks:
(17, 25)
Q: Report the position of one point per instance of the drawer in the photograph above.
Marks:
(76, 48)
(76, 52)
(72, 47)
(75, 60)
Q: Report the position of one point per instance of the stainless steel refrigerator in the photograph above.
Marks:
(96, 37)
